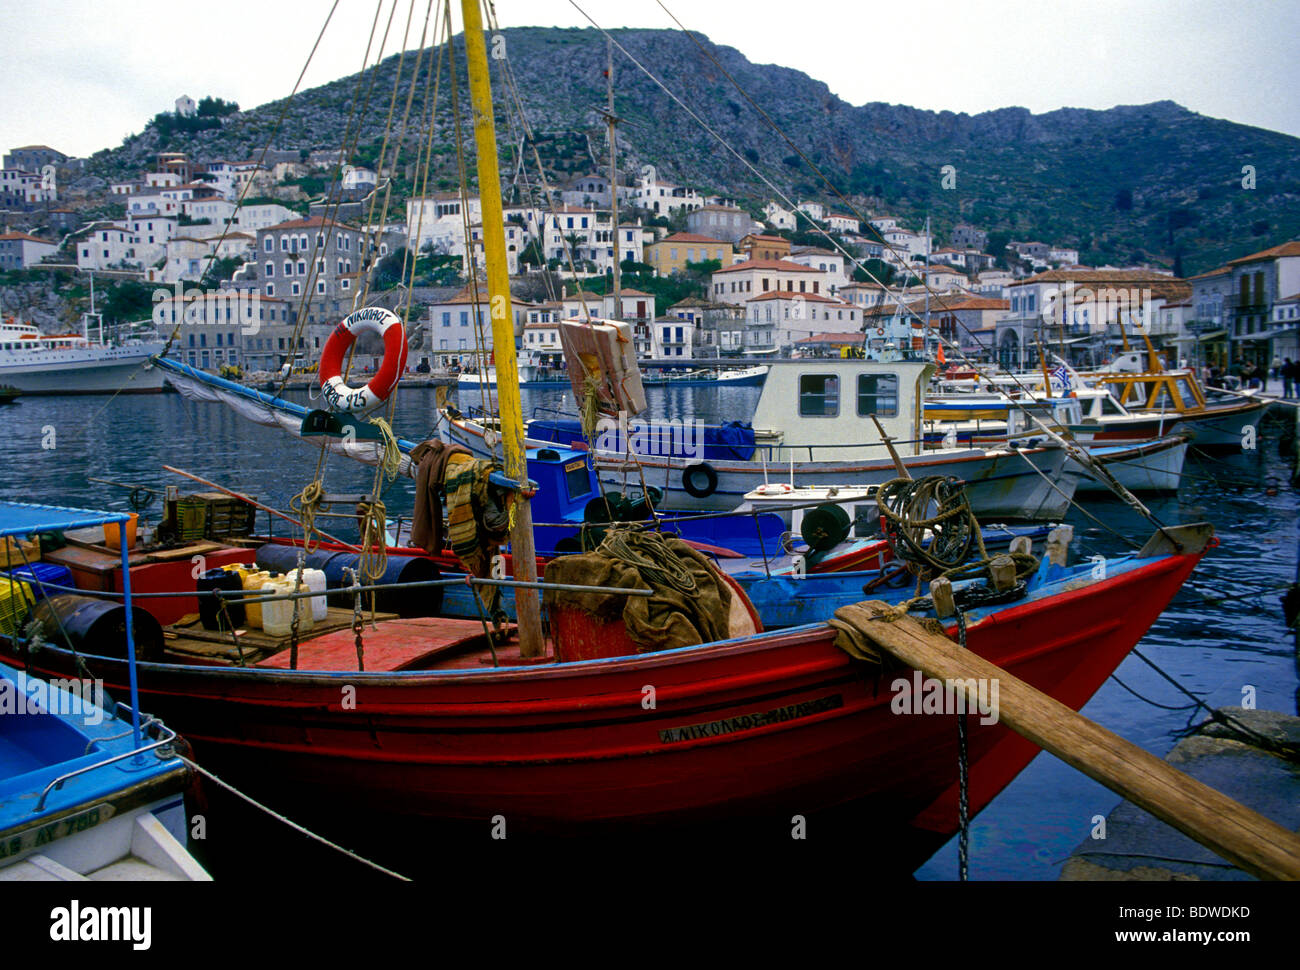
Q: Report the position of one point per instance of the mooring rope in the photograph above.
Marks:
(290, 822)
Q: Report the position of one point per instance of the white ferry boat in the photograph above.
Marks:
(36, 363)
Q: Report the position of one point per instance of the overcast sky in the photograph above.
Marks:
(79, 75)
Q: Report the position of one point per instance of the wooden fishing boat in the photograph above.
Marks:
(766, 723)
(812, 425)
(1176, 397)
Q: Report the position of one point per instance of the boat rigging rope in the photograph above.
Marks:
(390, 462)
(306, 504)
(290, 822)
(374, 544)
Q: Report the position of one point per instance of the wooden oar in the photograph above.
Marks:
(256, 504)
(1239, 834)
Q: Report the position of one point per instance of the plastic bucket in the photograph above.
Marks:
(113, 535)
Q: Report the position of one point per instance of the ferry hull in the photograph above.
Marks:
(128, 373)
(761, 727)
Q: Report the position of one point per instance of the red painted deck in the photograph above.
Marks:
(392, 645)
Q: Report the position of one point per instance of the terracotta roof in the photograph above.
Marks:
(1291, 248)
(22, 235)
(779, 265)
(691, 237)
(315, 222)
(1161, 286)
(758, 237)
(979, 303)
(791, 295)
(1214, 272)
(1294, 297)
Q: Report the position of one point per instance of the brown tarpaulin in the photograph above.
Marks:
(671, 617)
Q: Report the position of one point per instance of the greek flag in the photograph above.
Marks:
(1062, 378)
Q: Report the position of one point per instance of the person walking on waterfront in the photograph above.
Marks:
(1289, 371)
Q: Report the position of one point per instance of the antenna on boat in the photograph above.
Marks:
(527, 607)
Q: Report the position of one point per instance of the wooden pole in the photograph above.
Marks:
(256, 504)
(527, 605)
(1241, 835)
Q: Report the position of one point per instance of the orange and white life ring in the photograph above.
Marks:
(340, 396)
(775, 488)
(880, 331)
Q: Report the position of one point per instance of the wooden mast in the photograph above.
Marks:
(527, 607)
(614, 180)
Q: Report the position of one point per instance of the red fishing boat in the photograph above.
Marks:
(768, 723)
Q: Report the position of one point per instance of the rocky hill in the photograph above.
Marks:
(1151, 181)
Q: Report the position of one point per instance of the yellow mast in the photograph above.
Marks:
(503, 331)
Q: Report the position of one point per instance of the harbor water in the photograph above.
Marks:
(1223, 638)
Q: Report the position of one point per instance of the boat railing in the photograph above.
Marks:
(254, 596)
(59, 782)
(121, 712)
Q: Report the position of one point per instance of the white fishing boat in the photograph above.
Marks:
(812, 425)
(35, 363)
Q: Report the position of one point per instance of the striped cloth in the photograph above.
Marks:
(476, 519)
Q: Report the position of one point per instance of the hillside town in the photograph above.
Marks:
(702, 276)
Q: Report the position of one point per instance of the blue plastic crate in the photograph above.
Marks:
(37, 573)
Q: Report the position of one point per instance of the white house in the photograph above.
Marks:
(814, 210)
(263, 215)
(862, 295)
(186, 107)
(18, 250)
(840, 222)
(216, 212)
(945, 278)
(795, 316)
(740, 282)
(778, 217)
(830, 263)
(437, 221)
(663, 197)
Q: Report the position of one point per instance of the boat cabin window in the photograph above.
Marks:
(819, 395)
(577, 480)
(1110, 406)
(878, 395)
(1186, 393)
(1160, 398)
